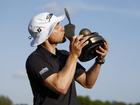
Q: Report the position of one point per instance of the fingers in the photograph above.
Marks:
(84, 41)
(102, 51)
(84, 44)
(105, 45)
(80, 40)
(77, 38)
(73, 39)
(102, 54)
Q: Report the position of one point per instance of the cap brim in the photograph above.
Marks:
(58, 19)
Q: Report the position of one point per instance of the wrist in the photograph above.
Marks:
(99, 60)
(74, 56)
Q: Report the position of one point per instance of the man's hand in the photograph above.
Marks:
(102, 51)
(77, 43)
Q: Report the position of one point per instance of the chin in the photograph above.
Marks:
(62, 41)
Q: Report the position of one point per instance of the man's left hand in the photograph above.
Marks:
(102, 50)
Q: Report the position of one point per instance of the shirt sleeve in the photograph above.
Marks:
(79, 70)
(40, 68)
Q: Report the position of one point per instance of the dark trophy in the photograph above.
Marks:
(95, 40)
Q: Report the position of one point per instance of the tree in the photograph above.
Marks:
(84, 100)
(118, 103)
(98, 102)
(107, 103)
(137, 104)
(5, 101)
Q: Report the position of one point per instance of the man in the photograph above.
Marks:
(52, 72)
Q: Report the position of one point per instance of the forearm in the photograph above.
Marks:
(89, 78)
(92, 75)
(65, 76)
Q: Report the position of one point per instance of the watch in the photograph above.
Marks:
(99, 60)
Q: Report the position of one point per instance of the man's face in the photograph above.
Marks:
(57, 35)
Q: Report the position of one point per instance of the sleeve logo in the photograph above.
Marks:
(44, 70)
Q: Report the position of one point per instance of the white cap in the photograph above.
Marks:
(41, 27)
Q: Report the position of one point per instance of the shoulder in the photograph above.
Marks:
(34, 55)
(33, 59)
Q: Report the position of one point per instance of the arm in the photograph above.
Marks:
(61, 81)
(89, 78)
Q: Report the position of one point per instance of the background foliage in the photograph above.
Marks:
(83, 100)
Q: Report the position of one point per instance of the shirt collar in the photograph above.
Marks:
(45, 52)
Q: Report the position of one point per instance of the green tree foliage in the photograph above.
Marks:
(137, 104)
(87, 101)
(84, 100)
(97, 102)
(5, 101)
(118, 103)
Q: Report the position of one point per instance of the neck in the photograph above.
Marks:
(50, 47)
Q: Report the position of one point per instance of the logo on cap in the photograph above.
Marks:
(39, 30)
(49, 16)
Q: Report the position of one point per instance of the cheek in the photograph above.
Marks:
(54, 37)
(57, 34)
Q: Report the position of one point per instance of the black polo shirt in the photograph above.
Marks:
(40, 65)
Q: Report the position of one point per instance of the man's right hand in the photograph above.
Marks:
(77, 43)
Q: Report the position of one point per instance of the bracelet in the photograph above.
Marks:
(99, 60)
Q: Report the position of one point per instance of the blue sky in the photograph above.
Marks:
(117, 20)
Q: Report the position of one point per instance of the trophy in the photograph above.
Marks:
(95, 40)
